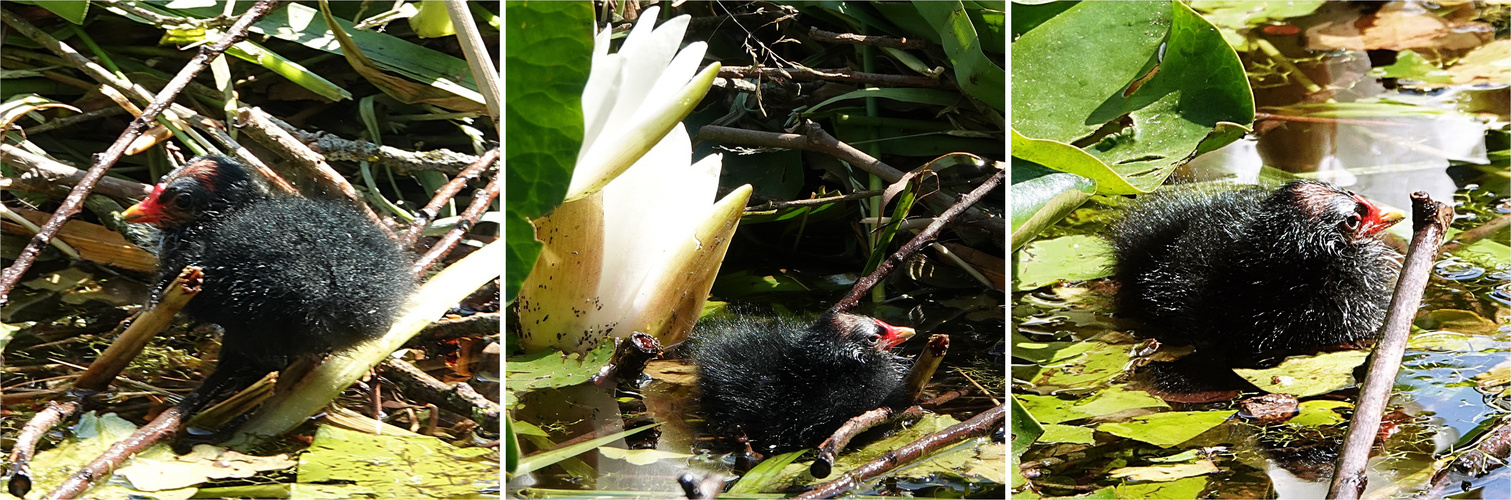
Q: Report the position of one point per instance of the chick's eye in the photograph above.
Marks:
(872, 338)
(183, 201)
(1352, 222)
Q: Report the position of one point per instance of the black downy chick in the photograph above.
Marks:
(786, 386)
(285, 276)
(1252, 273)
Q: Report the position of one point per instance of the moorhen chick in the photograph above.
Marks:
(1252, 273)
(284, 276)
(785, 385)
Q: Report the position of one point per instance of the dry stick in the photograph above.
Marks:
(104, 369)
(103, 161)
(476, 325)
(66, 121)
(461, 398)
(46, 170)
(980, 425)
(165, 425)
(918, 376)
(130, 343)
(817, 140)
(629, 360)
(261, 128)
(445, 194)
(402, 162)
(1430, 219)
(835, 75)
(872, 40)
(480, 202)
(1468, 237)
(26, 444)
(925, 237)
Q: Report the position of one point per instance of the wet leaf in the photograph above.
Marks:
(1304, 376)
(415, 466)
(1163, 473)
(1068, 434)
(1167, 429)
(1067, 258)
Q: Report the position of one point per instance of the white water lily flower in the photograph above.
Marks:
(638, 243)
(635, 96)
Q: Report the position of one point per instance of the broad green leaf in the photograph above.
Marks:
(1067, 258)
(1041, 197)
(1305, 376)
(1150, 83)
(977, 75)
(548, 59)
(73, 11)
(414, 466)
(764, 473)
(1067, 158)
(403, 89)
(1167, 429)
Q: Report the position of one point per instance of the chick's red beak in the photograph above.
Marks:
(892, 335)
(146, 211)
(1376, 220)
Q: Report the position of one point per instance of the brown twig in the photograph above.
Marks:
(160, 428)
(1468, 237)
(402, 162)
(103, 161)
(834, 75)
(828, 451)
(980, 425)
(629, 360)
(460, 398)
(927, 235)
(1430, 219)
(66, 121)
(476, 325)
(480, 202)
(927, 363)
(43, 170)
(446, 193)
(872, 40)
(104, 369)
(125, 347)
(26, 444)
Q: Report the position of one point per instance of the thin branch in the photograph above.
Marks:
(103, 161)
(26, 444)
(460, 398)
(1430, 219)
(402, 162)
(446, 193)
(833, 75)
(980, 425)
(872, 40)
(1470, 236)
(160, 428)
(43, 170)
(480, 202)
(925, 237)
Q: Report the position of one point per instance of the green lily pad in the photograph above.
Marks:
(1305, 376)
(1149, 83)
(1067, 258)
(1167, 429)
